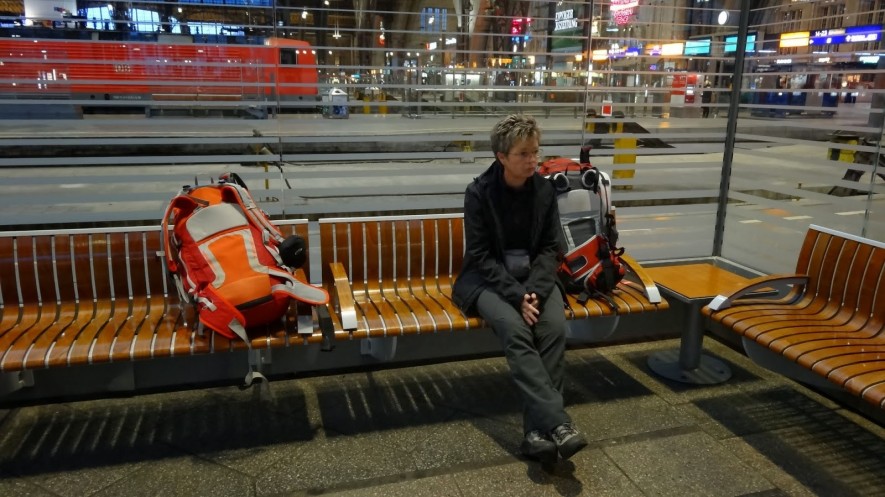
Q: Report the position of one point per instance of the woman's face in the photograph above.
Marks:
(520, 162)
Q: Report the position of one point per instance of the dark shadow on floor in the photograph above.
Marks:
(809, 441)
(64, 437)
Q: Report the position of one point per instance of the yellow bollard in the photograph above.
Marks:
(623, 158)
(382, 107)
(366, 108)
(467, 146)
(842, 154)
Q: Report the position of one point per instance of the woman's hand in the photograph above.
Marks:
(530, 309)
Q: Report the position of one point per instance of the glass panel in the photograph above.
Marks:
(809, 130)
(337, 107)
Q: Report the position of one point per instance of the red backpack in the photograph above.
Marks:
(591, 265)
(230, 261)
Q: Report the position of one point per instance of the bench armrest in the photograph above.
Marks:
(775, 281)
(343, 295)
(648, 286)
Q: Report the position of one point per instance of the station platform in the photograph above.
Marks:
(451, 429)
(443, 427)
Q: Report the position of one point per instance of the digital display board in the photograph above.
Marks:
(697, 47)
(852, 34)
(731, 43)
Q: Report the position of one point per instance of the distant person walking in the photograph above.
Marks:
(706, 99)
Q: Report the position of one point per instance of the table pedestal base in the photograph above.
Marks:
(710, 370)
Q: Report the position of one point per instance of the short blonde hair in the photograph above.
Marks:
(511, 129)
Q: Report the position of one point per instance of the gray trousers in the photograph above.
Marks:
(535, 355)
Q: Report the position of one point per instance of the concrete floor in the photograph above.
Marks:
(450, 429)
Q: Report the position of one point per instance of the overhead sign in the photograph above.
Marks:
(672, 49)
(852, 34)
(697, 47)
(565, 19)
(795, 39)
(731, 43)
(568, 34)
(622, 10)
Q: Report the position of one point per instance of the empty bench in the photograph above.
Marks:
(189, 103)
(828, 318)
(392, 276)
(92, 296)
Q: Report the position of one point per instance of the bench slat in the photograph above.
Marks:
(824, 359)
(42, 340)
(836, 325)
(23, 296)
(875, 394)
(81, 297)
(401, 271)
(866, 383)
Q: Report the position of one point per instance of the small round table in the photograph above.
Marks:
(695, 285)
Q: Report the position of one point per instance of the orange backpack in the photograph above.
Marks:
(230, 261)
(591, 265)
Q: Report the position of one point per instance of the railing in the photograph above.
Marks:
(421, 135)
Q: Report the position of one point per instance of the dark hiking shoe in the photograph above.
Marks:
(540, 447)
(568, 440)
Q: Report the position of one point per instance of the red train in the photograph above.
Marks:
(122, 74)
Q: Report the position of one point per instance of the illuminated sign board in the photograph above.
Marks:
(731, 43)
(623, 10)
(697, 47)
(672, 49)
(796, 39)
(853, 34)
(568, 36)
(600, 54)
(565, 19)
(617, 52)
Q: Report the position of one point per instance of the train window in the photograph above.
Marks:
(288, 56)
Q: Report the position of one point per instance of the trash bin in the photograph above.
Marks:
(337, 104)
(841, 154)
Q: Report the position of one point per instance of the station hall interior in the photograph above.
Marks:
(734, 133)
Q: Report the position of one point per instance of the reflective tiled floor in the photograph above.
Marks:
(450, 429)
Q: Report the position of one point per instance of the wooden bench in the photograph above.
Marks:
(90, 296)
(828, 318)
(392, 276)
(189, 103)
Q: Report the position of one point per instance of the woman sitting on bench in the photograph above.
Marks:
(509, 278)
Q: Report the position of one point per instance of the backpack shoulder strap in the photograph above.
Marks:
(299, 290)
(237, 194)
(180, 206)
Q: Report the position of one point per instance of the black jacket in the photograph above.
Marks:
(483, 265)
